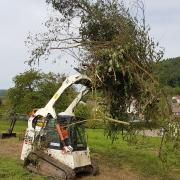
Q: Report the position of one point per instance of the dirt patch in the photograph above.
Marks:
(12, 148)
(109, 171)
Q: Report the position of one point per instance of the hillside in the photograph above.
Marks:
(168, 72)
(3, 92)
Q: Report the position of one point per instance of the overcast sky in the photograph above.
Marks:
(18, 17)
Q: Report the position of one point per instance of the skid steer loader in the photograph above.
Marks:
(45, 151)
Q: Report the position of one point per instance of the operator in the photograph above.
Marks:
(64, 137)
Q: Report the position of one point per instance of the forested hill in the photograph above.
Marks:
(3, 92)
(168, 72)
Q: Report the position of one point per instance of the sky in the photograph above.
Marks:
(19, 17)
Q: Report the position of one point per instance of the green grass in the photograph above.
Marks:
(141, 158)
(11, 168)
(20, 126)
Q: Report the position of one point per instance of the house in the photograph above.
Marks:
(176, 105)
(176, 110)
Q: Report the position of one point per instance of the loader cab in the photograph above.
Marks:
(76, 131)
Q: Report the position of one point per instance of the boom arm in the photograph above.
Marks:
(77, 78)
(70, 109)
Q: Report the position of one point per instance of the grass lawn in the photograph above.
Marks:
(11, 167)
(141, 159)
(20, 126)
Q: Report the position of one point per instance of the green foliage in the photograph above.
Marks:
(168, 73)
(117, 52)
(83, 110)
(171, 91)
(121, 55)
(34, 89)
(116, 48)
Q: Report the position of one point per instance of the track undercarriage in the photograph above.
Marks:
(41, 163)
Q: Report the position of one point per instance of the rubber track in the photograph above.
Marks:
(70, 174)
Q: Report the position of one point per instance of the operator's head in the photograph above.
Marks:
(60, 119)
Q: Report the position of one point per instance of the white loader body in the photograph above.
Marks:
(72, 159)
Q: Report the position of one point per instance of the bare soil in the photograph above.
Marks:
(108, 171)
(10, 147)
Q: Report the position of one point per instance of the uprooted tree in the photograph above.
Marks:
(114, 49)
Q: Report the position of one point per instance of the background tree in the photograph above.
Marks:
(168, 72)
(34, 89)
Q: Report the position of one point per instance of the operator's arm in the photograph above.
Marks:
(58, 127)
(66, 148)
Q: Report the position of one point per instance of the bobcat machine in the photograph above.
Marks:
(45, 152)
